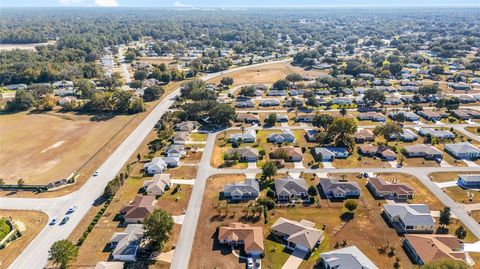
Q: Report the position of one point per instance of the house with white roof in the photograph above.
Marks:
(410, 218)
(346, 258)
(299, 235)
(463, 150)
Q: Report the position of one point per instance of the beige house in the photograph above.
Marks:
(157, 185)
(242, 234)
(299, 235)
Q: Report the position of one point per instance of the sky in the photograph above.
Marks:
(231, 3)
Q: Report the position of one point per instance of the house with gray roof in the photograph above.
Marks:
(409, 116)
(269, 103)
(469, 181)
(156, 166)
(463, 150)
(248, 137)
(286, 136)
(334, 189)
(244, 104)
(186, 126)
(410, 218)
(440, 134)
(125, 244)
(175, 151)
(300, 235)
(424, 151)
(240, 191)
(328, 154)
(180, 138)
(157, 185)
(346, 258)
(245, 154)
(289, 188)
(429, 115)
(407, 135)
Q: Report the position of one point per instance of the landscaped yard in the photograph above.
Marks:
(4, 228)
(464, 196)
(33, 221)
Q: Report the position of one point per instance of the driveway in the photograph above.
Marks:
(472, 207)
(252, 165)
(445, 164)
(298, 165)
(183, 181)
(447, 184)
(393, 163)
(471, 163)
(327, 165)
(295, 259)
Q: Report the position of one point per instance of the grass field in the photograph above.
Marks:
(4, 228)
(34, 221)
(267, 74)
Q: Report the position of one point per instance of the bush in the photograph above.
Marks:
(268, 202)
(270, 193)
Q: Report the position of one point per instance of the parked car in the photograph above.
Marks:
(53, 221)
(64, 220)
(250, 263)
(96, 173)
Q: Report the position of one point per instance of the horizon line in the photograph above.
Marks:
(254, 7)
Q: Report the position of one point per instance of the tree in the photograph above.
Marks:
(140, 74)
(445, 216)
(322, 120)
(388, 130)
(281, 85)
(247, 91)
(373, 96)
(271, 119)
(460, 232)
(437, 70)
(139, 157)
(222, 114)
(350, 205)
(341, 132)
(227, 81)
(153, 93)
(429, 89)
(158, 226)
(62, 253)
(130, 56)
(312, 191)
(2, 181)
(21, 182)
(343, 111)
(395, 68)
(23, 100)
(269, 169)
(294, 77)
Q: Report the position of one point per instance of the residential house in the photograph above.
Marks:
(424, 151)
(409, 116)
(463, 150)
(428, 248)
(368, 149)
(282, 118)
(125, 244)
(469, 181)
(248, 137)
(180, 138)
(294, 102)
(157, 185)
(14, 87)
(248, 118)
(341, 101)
(307, 118)
(242, 234)
(466, 114)
(286, 136)
(459, 86)
(346, 258)
(171, 161)
(186, 126)
(372, 150)
(328, 154)
(364, 135)
(392, 101)
(407, 135)
(247, 190)
(176, 151)
(244, 104)
(156, 166)
(390, 190)
(334, 189)
(410, 218)
(270, 103)
(372, 116)
(299, 235)
(292, 154)
(245, 154)
(138, 209)
(66, 100)
(387, 154)
(276, 93)
(439, 134)
(289, 188)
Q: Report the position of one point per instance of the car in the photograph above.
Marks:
(250, 263)
(96, 173)
(53, 221)
(72, 209)
(64, 220)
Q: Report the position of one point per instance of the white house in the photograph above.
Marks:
(156, 166)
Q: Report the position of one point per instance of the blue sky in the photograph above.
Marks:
(233, 3)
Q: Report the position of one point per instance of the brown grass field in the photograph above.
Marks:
(267, 74)
(34, 222)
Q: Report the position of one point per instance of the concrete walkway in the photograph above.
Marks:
(295, 259)
(183, 181)
(178, 219)
(470, 163)
(327, 165)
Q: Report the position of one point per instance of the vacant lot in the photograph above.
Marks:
(267, 74)
(41, 148)
(34, 222)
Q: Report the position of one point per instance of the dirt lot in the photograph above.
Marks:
(268, 74)
(34, 222)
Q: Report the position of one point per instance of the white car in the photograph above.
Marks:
(96, 173)
(250, 263)
(72, 209)
(53, 221)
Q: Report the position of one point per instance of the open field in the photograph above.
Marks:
(31, 46)
(157, 60)
(34, 222)
(41, 148)
(268, 74)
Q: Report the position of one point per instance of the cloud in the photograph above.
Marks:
(178, 4)
(106, 3)
(70, 2)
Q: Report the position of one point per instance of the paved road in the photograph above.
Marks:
(35, 255)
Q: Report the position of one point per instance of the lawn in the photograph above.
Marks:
(463, 196)
(473, 130)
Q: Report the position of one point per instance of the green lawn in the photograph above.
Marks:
(275, 255)
(4, 228)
